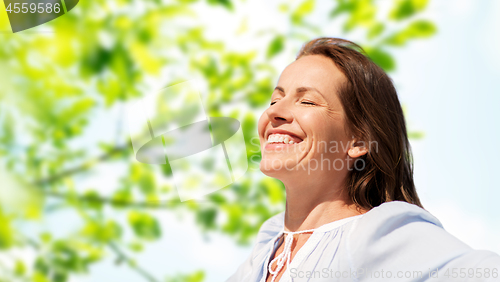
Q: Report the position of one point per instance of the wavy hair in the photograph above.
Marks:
(373, 115)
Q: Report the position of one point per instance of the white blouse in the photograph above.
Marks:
(395, 241)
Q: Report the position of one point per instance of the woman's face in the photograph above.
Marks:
(304, 127)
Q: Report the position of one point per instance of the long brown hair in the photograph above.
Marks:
(373, 115)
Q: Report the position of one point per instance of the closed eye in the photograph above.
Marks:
(307, 103)
(303, 102)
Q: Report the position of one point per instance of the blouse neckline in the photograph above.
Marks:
(306, 248)
(325, 227)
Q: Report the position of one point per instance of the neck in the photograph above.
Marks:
(311, 205)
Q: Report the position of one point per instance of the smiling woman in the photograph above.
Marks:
(351, 214)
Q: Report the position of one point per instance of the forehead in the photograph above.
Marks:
(312, 71)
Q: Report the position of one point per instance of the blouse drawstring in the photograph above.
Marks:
(286, 254)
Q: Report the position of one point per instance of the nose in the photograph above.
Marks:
(279, 113)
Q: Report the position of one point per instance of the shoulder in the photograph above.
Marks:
(270, 228)
(397, 213)
(267, 231)
(393, 223)
(396, 223)
(400, 235)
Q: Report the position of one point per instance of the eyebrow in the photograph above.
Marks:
(299, 89)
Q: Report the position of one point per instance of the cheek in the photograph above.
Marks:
(323, 126)
(315, 123)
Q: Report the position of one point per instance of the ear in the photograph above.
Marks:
(357, 149)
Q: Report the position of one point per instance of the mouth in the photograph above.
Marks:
(284, 139)
(280, 141)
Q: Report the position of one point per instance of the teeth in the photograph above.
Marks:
(280, 138)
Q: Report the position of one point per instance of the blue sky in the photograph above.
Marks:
(450, 84)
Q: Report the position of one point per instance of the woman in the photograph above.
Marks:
(335, 135)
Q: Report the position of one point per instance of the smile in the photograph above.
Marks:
(277, 141)
(282, 139)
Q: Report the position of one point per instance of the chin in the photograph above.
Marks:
(276, 167)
